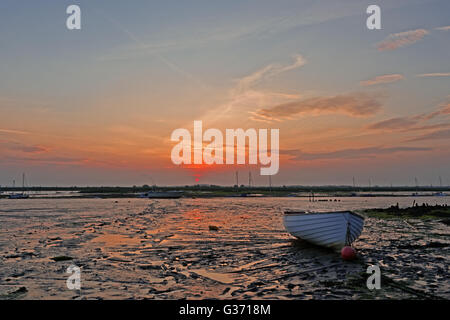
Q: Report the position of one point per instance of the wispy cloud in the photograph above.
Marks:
(355, 105)
(269, 71)
(436, 74)
(354, 153)
(436, 135)
(393, 124)
(45, 160)
(402, 123)
(11, 131)
(171, 65)
(429, 127)
(446, 28)
(401, 39)
(444, 109)
(17, 146)
(245, 94)
(414, 122)
(387, 78)
(32, 149)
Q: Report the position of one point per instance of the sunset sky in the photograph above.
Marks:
(97, 106)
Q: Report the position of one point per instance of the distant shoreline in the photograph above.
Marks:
(290, 188)
(314, 193)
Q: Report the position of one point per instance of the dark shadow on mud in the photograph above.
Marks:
(302, 245)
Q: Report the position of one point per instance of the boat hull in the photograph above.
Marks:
(162, 195)
(18, 196)
(328, 229)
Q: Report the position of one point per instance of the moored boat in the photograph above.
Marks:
(22, 195)
(18, 196)
(333, 229)
(162, 195)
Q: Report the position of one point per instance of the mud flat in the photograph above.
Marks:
(165, 249)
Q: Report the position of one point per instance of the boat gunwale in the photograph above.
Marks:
(292, 212)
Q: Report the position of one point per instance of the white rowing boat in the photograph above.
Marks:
(334, 229)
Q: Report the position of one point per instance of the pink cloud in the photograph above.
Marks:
(387, 78)
(30, 149)
(402, 39)
(356, 153)
(446, 28)
(354, 105)
(413, 122)
(432, 75)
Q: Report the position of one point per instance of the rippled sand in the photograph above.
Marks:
(165, 249)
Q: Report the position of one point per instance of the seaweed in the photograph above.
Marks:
(423, 211)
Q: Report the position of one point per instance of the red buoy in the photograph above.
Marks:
(348, 253)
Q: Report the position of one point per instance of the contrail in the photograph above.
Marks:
(141, 44)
